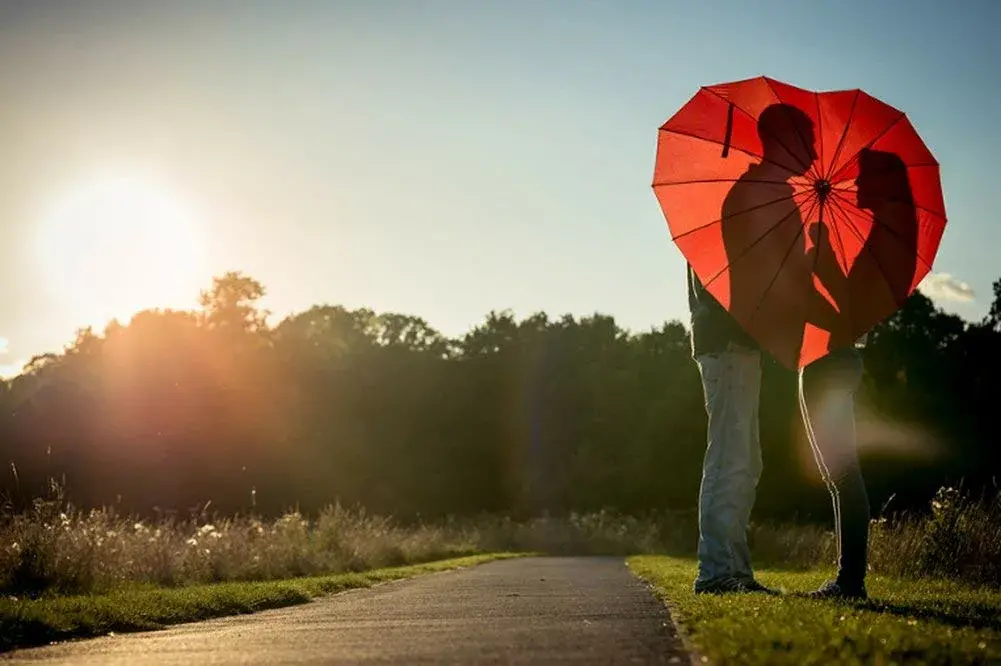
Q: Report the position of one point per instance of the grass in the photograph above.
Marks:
(936, 576)
(904, 622)
(32, 622)
(57, 549)
(958, 537)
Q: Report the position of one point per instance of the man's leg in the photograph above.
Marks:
(731, 382)
(827, 401)
(751, 392)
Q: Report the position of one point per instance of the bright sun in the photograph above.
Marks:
(112, 246)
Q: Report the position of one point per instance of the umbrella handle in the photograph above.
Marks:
(729, 130)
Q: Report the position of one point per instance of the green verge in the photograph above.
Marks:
(33, 622)
(904, 622)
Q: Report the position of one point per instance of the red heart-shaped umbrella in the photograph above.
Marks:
(809, 216)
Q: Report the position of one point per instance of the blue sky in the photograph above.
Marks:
(444, 158)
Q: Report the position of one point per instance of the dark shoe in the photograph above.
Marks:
(832, 589)
(721, 585)
(731, 585)
(754, 586)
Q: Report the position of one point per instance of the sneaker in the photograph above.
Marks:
(754, 586)
(721, 585)
(731, 585)
(832, 589)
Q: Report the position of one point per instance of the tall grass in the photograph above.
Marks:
(57, 549)
(958, 538)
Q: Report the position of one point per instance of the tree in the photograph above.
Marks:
(231, 304)
(994, 315)
(523, 416)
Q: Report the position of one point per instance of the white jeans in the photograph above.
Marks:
(731, 382)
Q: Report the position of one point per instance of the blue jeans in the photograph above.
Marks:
(827, 390)
(731, 382)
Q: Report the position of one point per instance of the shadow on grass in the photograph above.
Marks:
(958, 615)
(974, 615)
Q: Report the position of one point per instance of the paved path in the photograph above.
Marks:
(522, 611)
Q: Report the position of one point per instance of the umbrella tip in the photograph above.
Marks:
(823, 188)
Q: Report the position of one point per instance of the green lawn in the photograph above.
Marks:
(905, 622)
(28, 622)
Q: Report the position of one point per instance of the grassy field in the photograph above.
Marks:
(936, 577)
(29, 622)
(56, 549)
(904, 622)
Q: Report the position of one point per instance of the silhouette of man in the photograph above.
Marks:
(762, 230)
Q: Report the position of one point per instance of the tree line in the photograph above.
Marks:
(180, 409)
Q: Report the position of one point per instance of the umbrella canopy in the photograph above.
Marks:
(809, 216)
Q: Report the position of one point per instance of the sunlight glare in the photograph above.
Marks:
(112, 246)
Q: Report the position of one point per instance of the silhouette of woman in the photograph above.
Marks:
(882, 275)
(879, 281)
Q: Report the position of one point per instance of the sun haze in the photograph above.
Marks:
(110, 246)
(439, 159)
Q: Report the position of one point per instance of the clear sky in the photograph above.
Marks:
(440, 158)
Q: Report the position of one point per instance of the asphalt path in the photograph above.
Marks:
(542, 610)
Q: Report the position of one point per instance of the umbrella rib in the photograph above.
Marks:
(844, 134)
(755, 120)
(771, 284)
(843, 177)
(884, 273)
(808, 167)
(741, 212)
(869, 252)
(820, 134)
(917, 206)
(732, 147)
(702, 181)
(893, 233)
(868, 145)
(851, 226)
(835, 210)
(756, 241)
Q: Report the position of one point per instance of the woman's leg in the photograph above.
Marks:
(827, 401)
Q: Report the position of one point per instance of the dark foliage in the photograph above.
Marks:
(178, 409)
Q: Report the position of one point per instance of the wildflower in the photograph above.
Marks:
(205, 529)
(192, 541)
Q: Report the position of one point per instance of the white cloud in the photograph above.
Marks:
(944, 287)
